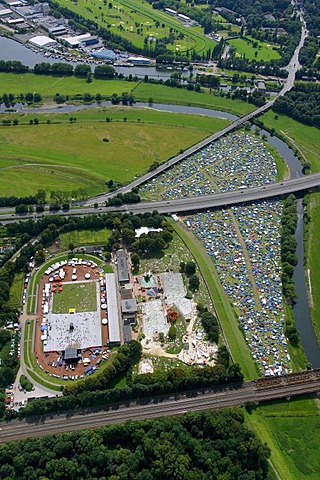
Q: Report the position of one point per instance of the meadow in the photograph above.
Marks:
(84, 237)
(262, 52)
(292, 431)
(48, 86)
(313, 259)
(303, 137)
(135, 20)
(85, 154)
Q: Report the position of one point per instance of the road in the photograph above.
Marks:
(202, 202)
(226, 397)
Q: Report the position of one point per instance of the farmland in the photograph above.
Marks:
(86, 153)
(291, 430)
(135, 20)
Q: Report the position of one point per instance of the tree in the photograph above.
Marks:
(190, 268)
(172, 333)
(71, 246)
(194, 282)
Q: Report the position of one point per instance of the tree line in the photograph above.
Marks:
(302, 103)
(195, 446)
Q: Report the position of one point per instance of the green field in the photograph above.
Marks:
(87, 153)
(15, 299)
(313, 259)
(84, 237)
(262, 52)
(298, 135)
(292, 431)
(48, 85)
(81, 296)
(135, 20)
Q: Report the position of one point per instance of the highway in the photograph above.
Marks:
(189, 204)
(225, 397)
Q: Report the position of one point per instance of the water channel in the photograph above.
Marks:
(11, 50)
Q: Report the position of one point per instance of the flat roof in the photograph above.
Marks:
(123, 273)
(128, 305)
(5, 11)
(112, 306)
(70, 353)
(42, 40)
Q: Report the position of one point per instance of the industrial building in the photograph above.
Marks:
(105, 54)
(41, 41)
(122, 267)
(112, 308)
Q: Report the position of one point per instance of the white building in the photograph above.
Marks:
(41, 41)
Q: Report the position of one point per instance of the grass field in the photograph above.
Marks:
(80, 296)
(135, 20)
(313, 259)
(48, 85)
(15, 299)
(245, 48)
(292, 431)
(87, 153)
(303, 137)
(85, 237)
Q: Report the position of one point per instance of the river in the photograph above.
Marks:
(12, 50)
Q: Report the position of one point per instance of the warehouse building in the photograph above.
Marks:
(41, 41)
(112, 309)
(122, 267)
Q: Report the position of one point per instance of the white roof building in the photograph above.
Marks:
(113, 310)
(5, 11)
(42, 41)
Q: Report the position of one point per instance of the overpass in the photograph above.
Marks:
(203, 202)
(223, 396)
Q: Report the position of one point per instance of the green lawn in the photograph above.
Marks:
(313, 259)
(228, 321)
(84, 237)
(81, 296)
(48, 85)
(15, 299)
(292, 431)
(303, 137)
(244, 47)
(77, 155)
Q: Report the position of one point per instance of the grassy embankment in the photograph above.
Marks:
(135, 19)
(16, 290)
(291, 430)
(84, 154)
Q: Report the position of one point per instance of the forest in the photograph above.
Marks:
(196, 446)
(302, 103)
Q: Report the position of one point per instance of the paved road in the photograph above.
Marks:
(202, 202)
(226, 397)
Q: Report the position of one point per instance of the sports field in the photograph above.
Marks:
(80, 296)
(292, 431)
(136, 20)
(85, 154)
(263, 51)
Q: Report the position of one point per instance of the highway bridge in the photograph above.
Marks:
(258, 391)
(197, 203)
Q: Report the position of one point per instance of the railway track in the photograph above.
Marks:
(258, 391)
